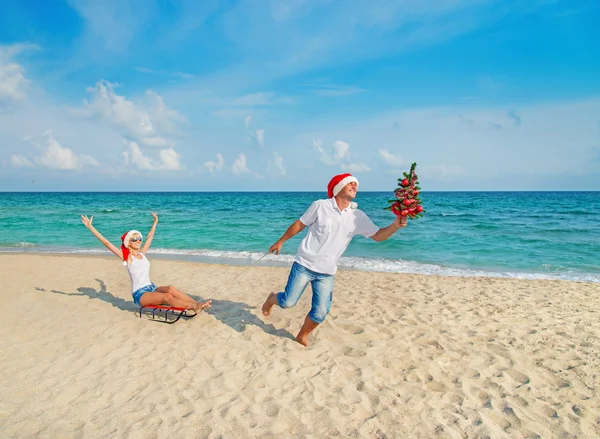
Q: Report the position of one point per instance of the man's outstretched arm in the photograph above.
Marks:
(386, 232)
(292, 231)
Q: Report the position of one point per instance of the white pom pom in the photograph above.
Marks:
(353, 205)
(124, 263)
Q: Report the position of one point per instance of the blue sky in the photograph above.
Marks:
(282, 95)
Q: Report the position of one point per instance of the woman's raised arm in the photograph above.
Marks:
(88, 223)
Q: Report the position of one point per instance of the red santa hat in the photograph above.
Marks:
(338, 182)
(125, 244)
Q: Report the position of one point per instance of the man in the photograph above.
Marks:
(332, 225)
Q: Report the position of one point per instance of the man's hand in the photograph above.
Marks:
(276, 247)
(401, 222)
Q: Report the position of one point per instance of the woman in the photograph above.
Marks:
(133, 256)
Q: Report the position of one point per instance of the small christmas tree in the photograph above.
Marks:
(407, 201)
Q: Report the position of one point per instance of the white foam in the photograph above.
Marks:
(349, 263)
(386, 265)
(21, 244)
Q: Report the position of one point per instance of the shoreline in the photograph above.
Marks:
(287, 260)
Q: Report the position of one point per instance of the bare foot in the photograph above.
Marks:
(268, 305)
(202, 305)
(302, 340)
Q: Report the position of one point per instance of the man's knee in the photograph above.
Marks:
(318, 315)
(170, 289)
(286, 301)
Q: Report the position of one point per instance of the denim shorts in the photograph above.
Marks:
(137, 294)
(322, 288)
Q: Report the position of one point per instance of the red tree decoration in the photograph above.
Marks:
(407, 201)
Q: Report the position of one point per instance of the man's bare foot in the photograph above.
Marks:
(202, 305)
(302, 340)
(268, 305)
(308, 326)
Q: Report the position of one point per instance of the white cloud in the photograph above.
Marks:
(19, 161)
(355, 167)
(239, 165)
(54, 156)
(340, 150)
(165, 119)
(169, 159)
(119, 111)
(13, 83)
(260, 137)
(157, 142)
(318, 145)
(138, 122)
(389, 158)
(212, 167)
(247, 121)
(275, 166)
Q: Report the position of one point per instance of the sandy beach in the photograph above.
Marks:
(400, 356)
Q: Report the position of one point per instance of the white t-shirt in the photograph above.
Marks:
(330, 231)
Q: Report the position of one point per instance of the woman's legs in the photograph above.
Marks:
(181, 296)
(157, 298)
(175, 292)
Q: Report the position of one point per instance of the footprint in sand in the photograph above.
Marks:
(550, 412)
(499, 350)
(485, 399)
(473, 374)
(456, 399)
(436, 386)
(272, 410)
(561, 383)
(519, 401)
(412, 378)
(529, 434)
(430, 342)
(518, 376)
(350, 352)
(353, 329)
(577, 409)
(503, 423)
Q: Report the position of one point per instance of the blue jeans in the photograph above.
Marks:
(322, 287)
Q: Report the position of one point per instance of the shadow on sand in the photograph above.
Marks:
(236, 315)
(101, 294)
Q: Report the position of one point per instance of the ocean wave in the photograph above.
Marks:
(110, 211)
(574, 212)
(486, 226)
(348, 263)
(18, 245)
(365, 264)
(469, 215)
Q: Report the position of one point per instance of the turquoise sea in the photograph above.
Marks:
(553, 235)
